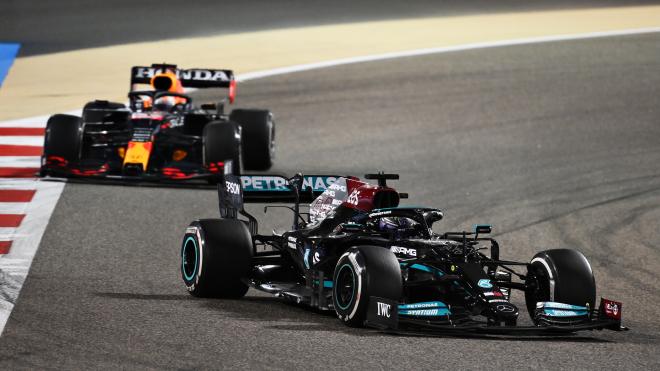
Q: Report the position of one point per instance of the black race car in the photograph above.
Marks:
(375, 263)
(161, 135)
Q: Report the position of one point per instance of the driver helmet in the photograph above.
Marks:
(167, 81)
(400, 226)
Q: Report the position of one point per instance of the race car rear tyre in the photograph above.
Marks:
(63, 138)
(221, 143)
(560, 275)
(97, 110)
(360, 273)
(215, 255)
(258, 137)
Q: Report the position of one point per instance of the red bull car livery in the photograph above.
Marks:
(161, 134)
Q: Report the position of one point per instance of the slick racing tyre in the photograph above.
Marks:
(257, 136)
(561, 275)
(222, 142)
(97, 110)
(215, 255)
(360, 273)
(63, 138)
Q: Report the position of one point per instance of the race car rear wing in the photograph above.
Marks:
(190, 78)
(235, 190)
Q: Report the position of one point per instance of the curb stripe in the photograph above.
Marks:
(11, 150)
(18, 172)
(19, 131)
(16, 195)
(4, 247)
(11, 220)
(20, 161)
(12, 208)
(22, 140)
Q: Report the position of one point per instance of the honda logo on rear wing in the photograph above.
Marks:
(190, 78)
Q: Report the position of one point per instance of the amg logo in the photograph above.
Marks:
(383, 309)
(194, 74)
(403, 250)
(233, 188)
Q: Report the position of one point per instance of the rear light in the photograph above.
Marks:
(232, 91)
(121, 151)
(216, 167)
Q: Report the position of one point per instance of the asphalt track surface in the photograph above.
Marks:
(54, 26)
(556, 145)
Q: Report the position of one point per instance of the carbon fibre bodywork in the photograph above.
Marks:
(341, 255)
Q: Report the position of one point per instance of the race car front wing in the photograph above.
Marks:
(436, 318)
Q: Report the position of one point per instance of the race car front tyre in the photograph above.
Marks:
(560, 275)
(222, 142)
(63, 139)
(360, 273)
(215, 255)
(258, 137)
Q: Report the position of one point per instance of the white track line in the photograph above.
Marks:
(17, 183)
(15, 266)
(8, 233)
(33, 140)
(20, 161)
(442, 49)
(13, 207)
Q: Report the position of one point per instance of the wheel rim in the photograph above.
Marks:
(189, 258)
(345, 287)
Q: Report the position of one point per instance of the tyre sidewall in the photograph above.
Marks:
(352, 261)
(376, 272)
(63, 137)
(258, 137)
(193, 238)
(223, 248)
(222, 143)
(562, 275)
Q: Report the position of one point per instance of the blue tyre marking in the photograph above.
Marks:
(350, 269)
(183, 258)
